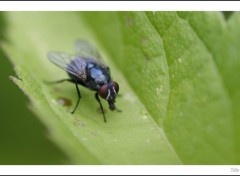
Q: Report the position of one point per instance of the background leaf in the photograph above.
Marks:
(198, 120)
(24, 139)
(178, 80)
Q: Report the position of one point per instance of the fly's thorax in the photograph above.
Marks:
(97, 76)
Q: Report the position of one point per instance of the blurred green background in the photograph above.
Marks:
(33, 145)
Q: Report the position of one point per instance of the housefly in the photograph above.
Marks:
(87, 69)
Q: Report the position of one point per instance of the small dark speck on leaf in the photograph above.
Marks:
(93, 133)
(57, 89)
(79, 123)
(144, 41)
(129, 22)
(64, 101)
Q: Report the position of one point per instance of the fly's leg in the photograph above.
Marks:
(59, 81)
(99, 101)
(69, 80)
(79, 97)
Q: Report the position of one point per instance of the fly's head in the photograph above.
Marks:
(109, 92)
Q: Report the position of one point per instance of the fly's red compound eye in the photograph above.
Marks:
(103, 91)
(115, 85)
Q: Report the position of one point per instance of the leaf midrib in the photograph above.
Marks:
(161, 130)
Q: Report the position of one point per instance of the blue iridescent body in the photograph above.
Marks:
(96, 75)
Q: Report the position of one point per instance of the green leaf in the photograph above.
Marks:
(190, 100)
(222, 40)
(179, 88)
(199, 110)
(130, 137)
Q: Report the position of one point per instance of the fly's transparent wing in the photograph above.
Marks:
(85, 49)
(72, 64)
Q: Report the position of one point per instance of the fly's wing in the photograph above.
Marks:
(86, 50)
(72, 64)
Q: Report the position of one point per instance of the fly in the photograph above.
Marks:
(87, 69)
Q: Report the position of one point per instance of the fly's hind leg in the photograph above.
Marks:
(72, 81)
(59, 81)
(79, 97)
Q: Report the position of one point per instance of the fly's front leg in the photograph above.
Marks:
(99, 101)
